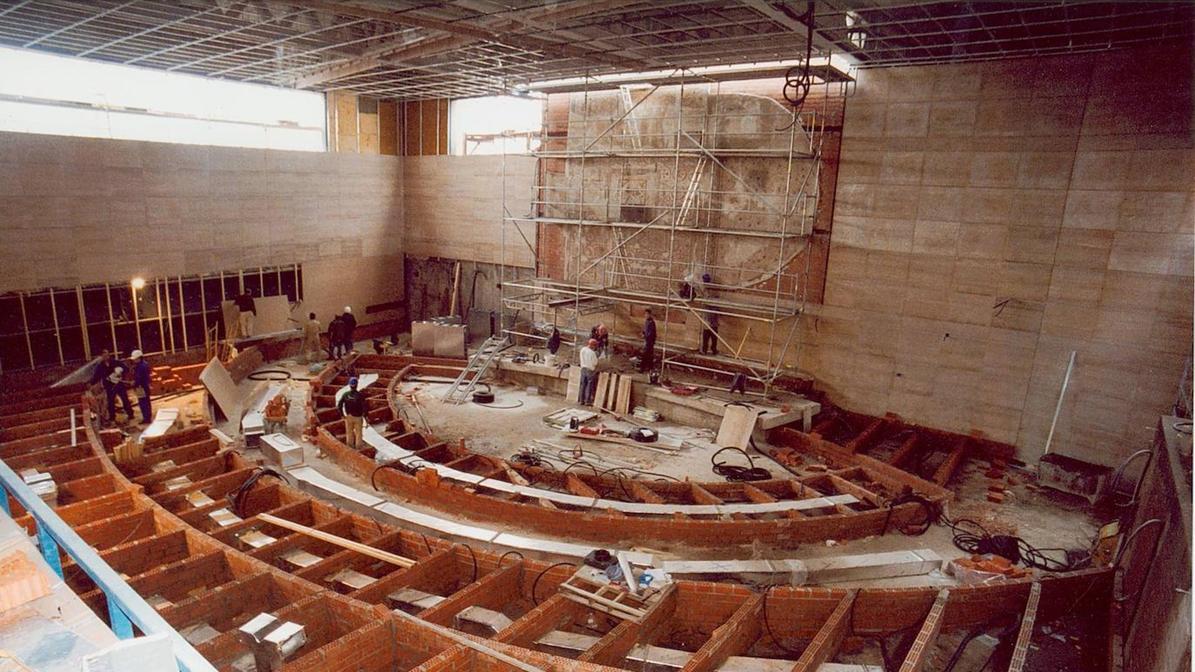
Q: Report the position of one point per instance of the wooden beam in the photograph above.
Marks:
(866, 437)
(905, 451)
(825, 644)
(642, 492)
(703, 496)
(578, 487)
(951, 464)
(919, 652)
(363, 549)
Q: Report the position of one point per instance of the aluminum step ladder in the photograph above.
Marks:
(479, 363)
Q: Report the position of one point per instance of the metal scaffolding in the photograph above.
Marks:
(594, 186)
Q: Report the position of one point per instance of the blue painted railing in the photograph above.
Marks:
(125, 607)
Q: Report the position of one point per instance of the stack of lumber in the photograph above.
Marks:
(168, 379)
(613, 392)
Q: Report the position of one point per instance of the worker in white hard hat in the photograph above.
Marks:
(349, 323)
(141, 374)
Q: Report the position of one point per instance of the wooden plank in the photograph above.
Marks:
(951, 464)
(905, 451)
(737, 425)
(1021, 650)
(599, 397)
(573, 390)
(623, 404)
(866, 437)
(363, 549)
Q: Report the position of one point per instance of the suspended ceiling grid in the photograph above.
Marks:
(409, 50)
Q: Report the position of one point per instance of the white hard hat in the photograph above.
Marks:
(348, 309)
(136, 354)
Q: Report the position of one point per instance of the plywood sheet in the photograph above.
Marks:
(450, 340)
(622, 403)
(603, 384)
(573, 389)
(219, 385)
(737, 424)
(423, 338)
(273, 315)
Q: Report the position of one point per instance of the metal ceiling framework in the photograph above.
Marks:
(418, 50)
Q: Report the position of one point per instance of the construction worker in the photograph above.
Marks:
(602, 335)
(311, 329)
(709, 334)
(352, 407)
(350, 324)
(141, 375)
(335, 336)
(248, 310)
(588, 360)
(99, 375)
(648, 357)
(116, 387)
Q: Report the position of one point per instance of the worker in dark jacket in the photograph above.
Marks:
(99, 375)
(335, 336)
(116, 387)
(248, 310)
(350, 324)
(141, 373)
(648, 359)
(352, 407)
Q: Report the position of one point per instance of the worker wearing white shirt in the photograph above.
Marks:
(589, 359)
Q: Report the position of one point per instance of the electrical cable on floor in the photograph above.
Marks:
(737, 473)
(518, 403)
(270, 374)
(535, 583)
(978, 541)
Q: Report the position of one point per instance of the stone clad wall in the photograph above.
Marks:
(993, 217)
(83, 210)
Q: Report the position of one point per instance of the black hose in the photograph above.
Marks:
(737, 473)
(768, 626)
(797, 79)
(503, 556)
(473, 556)
(535, 583)
(269, 374)
(237, 496)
